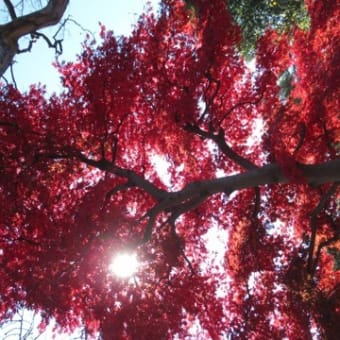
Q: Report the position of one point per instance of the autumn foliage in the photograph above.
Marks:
(243, 166)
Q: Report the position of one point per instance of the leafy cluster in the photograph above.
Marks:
(255, 16)
(80, 181)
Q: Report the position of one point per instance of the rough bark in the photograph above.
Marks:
(18, 27)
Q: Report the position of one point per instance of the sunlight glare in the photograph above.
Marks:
(124, 265)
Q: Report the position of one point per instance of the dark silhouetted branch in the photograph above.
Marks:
(223, 146)
(10, 9)
(12, 31)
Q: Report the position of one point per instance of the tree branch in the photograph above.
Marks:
(11, 32)
(316, 174)
(133, 178)
(195, 193)
(11, 9)
(221, 143)
(47, 16)
(56, 45)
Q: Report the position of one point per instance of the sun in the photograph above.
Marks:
(124, 265)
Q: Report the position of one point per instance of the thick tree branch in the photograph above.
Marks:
(134, 180)
(11, 32)
(47, 16)
(195, 193)
(177, 203)
(316, 174)
(230, 153)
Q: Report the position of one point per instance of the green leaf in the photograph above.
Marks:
(336, 255)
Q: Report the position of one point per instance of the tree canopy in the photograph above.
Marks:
(160, 143)
(255, 16)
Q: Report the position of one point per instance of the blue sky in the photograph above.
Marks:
(36, 66)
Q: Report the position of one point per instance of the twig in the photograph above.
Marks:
(302, 139)
(239, 104)
(256, 203)
(221, 143)
(179, 243)
(12, 76)
(5, 79)
(74, 22)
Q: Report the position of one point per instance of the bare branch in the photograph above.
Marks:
(13, 77)
(11, 32)
(11, 9)
(180, 245)
(302, 133)
(240, 104)
(256, 203)
(221, 143)
(69, 19)
(133, 178)
(5, 80)
(57, 44)
(47, 16)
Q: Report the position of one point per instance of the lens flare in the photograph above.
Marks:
(124, 265)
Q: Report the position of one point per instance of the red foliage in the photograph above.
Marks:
(79, 183)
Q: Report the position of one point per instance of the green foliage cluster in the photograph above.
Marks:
(254, 16)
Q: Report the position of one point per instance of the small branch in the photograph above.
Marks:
(179, 243)
(256, 203)
(240, 104)
(5, 80)
(210, 100)
(221, 143)
(26, 49)
(302, 139)
(152, 214)
(10, 9)
(57, 44)
(21, 238)
(12, 76)
(313, 221)
(69, 19)
(116, 189)
(133, 178)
